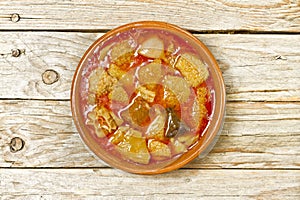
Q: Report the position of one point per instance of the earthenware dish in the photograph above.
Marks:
(95, 57)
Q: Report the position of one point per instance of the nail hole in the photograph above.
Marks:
(50, 76)
(15, 17)
(16, 144)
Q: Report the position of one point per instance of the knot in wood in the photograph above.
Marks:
(16, 52)
(50, 76)
(187, 180)
(16, 144)
(15, 17)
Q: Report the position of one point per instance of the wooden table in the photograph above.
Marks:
(256, 43)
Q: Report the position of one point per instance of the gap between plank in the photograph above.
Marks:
(229, 31)
(228, 101)
(108, 167)
(31, 99)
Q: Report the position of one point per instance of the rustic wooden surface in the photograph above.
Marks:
(196, 15)
(257, 45)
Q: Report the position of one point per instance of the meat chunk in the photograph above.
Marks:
(178, 147)
(170, 99)
(156, 128)
(122, 55)
(152, 47)
(115, 71)
(118, 135)
(128, 81)
(131, 145)
(105, 119)
(95, 78)
(169, 56)
(92, 120)
(118, 120)
(120, 50)
(100, 82)
(192, 68)
(146, 94)
(102, 120)
(202, 93)
(104, 52)
(159, 150)
(139, 111)
(105, 84)
(150, 73)
(199, 110)
(188, 139)
(183, 142)
(178, 86)
(118, 94)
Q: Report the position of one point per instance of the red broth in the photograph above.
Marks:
(142, 102)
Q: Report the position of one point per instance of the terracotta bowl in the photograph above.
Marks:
(176, 54)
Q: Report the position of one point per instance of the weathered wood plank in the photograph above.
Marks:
(275, 15)
(255, 67)
(255, 135)
(114, 184)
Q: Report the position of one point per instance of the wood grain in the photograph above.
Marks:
(275, 15)
(255, 135)
(245, 61)
(114, 184)
(257, 154)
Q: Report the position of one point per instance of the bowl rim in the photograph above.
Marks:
(199, 147)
